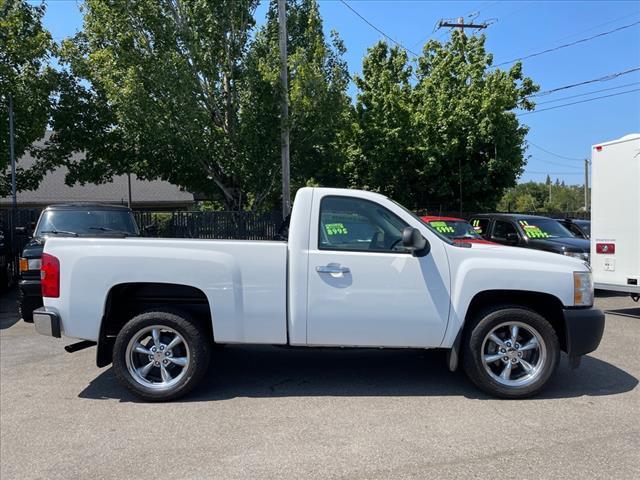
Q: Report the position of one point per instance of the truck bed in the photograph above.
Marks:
(244, 281)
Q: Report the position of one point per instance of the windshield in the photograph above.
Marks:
(456, 229)
(443, 237)
(544, 228)
(86, 222)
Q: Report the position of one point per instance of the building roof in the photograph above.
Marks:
(144, 194)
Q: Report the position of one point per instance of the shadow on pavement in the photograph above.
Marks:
(609, 294)
(633, 312)
(8, 309)
(262, 371)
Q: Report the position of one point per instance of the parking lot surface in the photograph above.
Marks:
(272, 412)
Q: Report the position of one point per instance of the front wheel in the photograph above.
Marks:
(161, 356)
(511, 352)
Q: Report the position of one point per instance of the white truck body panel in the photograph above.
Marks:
(244, 282)
(615, 214)
(270, 292)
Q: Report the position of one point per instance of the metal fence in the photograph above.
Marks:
(214, 225)
(24, 217)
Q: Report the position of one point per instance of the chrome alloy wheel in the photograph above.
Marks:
(157, 357)
(514, 354)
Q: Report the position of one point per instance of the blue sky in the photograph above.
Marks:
(520, 28)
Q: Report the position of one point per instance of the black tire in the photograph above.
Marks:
(26, 306)
(472, 351)
(194, 337)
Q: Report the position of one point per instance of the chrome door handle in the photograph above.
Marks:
(332, 269)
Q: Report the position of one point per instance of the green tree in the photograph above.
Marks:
(383, 153)
(318, 103)
(178, 91)
(153, 89)
(547, 198)
(449, 129)
(25, 50)
(467, 130)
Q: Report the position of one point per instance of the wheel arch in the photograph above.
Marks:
(126, 300)
(548, 306)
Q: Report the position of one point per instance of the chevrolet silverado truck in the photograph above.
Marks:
(357, 270)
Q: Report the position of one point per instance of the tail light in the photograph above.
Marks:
(609, 248)
(50, 276)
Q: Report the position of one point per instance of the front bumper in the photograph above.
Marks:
(47, 322)
(583, 328)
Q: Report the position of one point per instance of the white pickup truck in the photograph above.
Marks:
(358, 270)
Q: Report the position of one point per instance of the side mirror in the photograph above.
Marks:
(512, 238)
(415, 242)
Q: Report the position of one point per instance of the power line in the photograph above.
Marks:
(590, 93)
(558, 164)
(559, 47)
(609, 22)
(378, 30)
(552, 153)
(594, 80)
(581, 101)
(553, 173)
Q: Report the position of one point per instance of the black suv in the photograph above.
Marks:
(530, 231)
(73, 220)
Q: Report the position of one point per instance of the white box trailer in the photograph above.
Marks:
(615, 215)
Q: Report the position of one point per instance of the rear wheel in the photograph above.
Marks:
(511, 352)
(161, 356)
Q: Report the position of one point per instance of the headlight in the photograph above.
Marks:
(29, 264)
(578, 255)
(582, 289)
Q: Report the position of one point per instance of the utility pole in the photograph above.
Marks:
(12, 159)
(461, 25)
(284, 108)
(12, 155)
(586, 185)
(129, 188)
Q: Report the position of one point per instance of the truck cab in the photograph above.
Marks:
(357, 270)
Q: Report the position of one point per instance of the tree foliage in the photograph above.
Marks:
(179, 91)
(152, 89)
(318, 104)
(548, 197)
(453, 122)
(188, 92)
(25, 51)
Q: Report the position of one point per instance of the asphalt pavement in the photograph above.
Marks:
(273, 412)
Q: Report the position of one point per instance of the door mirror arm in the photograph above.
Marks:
(413, 240)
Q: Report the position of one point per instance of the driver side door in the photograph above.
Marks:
(364, 287)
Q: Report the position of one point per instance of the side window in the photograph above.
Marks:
(480, 225)
(348, 223)
(501, 229)
(573, 228)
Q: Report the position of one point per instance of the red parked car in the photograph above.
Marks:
(457, 229)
